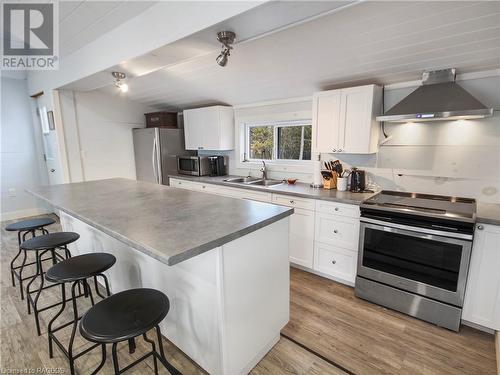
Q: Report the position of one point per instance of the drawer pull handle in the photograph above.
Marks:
(335, 231)
(203, 186)
(292, 202)
(480, 227)
(336, 208)
(334, 261)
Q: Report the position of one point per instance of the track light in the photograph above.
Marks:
(226, 38)
(119, 77)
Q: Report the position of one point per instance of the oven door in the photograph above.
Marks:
(411, 258)
(188, 165)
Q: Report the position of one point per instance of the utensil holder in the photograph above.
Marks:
(342, 183)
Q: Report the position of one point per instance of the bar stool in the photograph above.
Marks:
(41, 245)
(77, 270)
(23, 228)
(125, 316)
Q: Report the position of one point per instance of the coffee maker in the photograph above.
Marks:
(218, 165)
(358, 180)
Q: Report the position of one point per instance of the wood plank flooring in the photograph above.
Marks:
(325, 318)
(369, 339)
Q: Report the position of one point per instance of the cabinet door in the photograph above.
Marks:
(482, 297)
(302, 237)
(326, 121)
(356, 119)
(210, 125)
(193, 132)
(337, 263)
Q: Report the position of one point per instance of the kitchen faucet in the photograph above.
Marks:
(264, 170)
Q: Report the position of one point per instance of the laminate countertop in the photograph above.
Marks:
(298, 189)
(488, 213)
(168, 224)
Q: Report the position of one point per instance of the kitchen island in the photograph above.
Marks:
(223, 262)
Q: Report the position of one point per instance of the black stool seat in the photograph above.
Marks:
(30, 224)
(50, 241)
(124, 315)
(80, 267)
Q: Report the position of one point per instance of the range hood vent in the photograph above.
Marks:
(439, 98)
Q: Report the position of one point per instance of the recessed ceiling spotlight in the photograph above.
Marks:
(119, 77)
(226, 38)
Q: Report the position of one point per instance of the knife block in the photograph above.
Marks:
(330, 183)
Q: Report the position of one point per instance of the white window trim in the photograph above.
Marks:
(276, 125)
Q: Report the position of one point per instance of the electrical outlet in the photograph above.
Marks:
(12, 192)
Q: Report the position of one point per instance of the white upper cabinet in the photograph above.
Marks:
(482, 296)
(344, 120)
(209, 128)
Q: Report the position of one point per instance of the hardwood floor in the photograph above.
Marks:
(325, 318)
(369, 339)
(21, 348)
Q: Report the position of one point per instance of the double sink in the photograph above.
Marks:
(253, 181)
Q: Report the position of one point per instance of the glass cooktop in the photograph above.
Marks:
(424, 204)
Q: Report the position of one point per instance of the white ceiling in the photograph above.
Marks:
(380, 42)
(83, 21)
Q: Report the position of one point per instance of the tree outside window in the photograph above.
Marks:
(279, 141)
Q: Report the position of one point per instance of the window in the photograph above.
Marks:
(290, 140)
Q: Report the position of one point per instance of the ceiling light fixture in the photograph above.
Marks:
(226, 38)
(119, 77)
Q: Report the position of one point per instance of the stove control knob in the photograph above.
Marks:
(480, 227)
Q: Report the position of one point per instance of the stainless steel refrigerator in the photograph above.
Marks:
(155, 151)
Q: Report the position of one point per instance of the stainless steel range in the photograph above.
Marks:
(414, 253)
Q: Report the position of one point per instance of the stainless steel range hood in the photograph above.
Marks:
(439, 98)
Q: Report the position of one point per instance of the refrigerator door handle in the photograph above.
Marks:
(153, 161)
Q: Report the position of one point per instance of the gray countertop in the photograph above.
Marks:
(488, 213)
(298, 189)
(171, 225)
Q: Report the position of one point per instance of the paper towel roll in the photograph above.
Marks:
(317, 178)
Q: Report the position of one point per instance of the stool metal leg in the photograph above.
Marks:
(37, 273)
(49, 329)
(115, 359)
(39, 291)
(73, 331)
(153, 346)
(14, 259)
(103, 360)
(163, 359)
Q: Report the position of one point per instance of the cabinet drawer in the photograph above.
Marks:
(291, 201)
(337, 209)
(338, 231)
(183, 184)
(336, 262)
(246, 194)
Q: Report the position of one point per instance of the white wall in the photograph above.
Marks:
(98, 134)
(19, 165)
(459, 158)
(300, 108)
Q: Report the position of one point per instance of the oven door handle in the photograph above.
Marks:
(435, 232)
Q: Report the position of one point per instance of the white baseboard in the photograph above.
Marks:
(13, 215)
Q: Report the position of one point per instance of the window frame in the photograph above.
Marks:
(275, 124)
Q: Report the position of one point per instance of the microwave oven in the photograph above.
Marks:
(193, 165)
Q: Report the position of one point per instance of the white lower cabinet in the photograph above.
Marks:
(337, 231)
(323, 235)
(336, 262)
(482, 297)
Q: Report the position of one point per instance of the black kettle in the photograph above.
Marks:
(357, 180)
